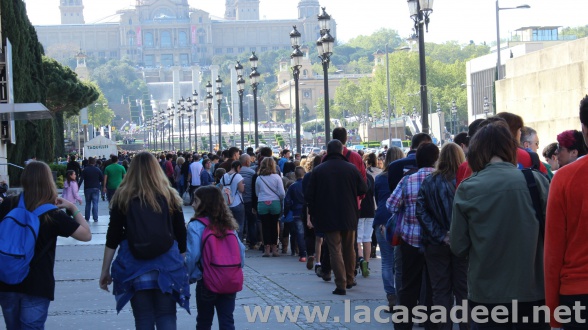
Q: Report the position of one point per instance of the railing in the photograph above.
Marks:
(14, 165)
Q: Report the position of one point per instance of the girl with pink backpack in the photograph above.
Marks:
(215, 258)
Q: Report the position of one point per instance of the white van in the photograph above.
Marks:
(392, 143)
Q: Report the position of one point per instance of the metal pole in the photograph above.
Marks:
(389, 108)
(327, 115)
(190, 133)
(220, 136)
(209, 128)
(255, 115)
(241, 117)
(423, 67)
(498, 64)
(296, 74)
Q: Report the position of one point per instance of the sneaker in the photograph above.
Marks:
(365, 271)
(302, 259)
(95, 220)
(340, 292)
(309, 262)
(318, 270)
(373, 255)
(349, 286)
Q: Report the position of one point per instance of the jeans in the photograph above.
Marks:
(239, 215)
(22, 311)
(153, 307)
(269, 226)
(252, 224)
(387, 254)
(207, 301)
(297, 228)
(109, 193)
(397, 268)
(92, 196)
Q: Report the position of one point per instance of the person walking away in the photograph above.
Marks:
(365, 229)
(92, 179)
(178, 176)
(210, 208)
(194, 175)
(251, 222)
(294, 203)
(73, 165)
(147, 227)
(447, 272)
(70, 188)
(25, 305)
(486, 211)
(113, 176)
(270, 192)
(331, 197)
(565, 240)
(381, 194)
(234, 181)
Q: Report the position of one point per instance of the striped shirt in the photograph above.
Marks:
(404, 199)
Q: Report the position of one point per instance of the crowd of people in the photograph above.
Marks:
(484, 219)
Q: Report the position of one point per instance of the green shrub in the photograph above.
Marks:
(59, 182)
(59, 168)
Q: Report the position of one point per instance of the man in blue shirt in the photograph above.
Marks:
(92, 178)
(285, 158)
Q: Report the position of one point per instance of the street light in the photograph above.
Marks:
(440, 128)
(324, 46)
(454, 117)
(170, 115)
(219, 99)
(240, 89)
(209, 98)
(420, 10)
(296, 57)
(486, 106)
(254, 76)
(498, 9)
(193, 110)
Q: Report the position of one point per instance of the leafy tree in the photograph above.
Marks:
(118, 79)
(578, 31)
(99, 114)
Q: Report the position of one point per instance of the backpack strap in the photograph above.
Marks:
(534, 160)
(44, 209)
(270, 188)
(348, 154)
(534, 191)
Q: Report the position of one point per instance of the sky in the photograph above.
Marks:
(459, 20)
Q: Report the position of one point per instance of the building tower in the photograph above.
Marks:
(230, 10)
(72, 12)
(247, 10)
(308, 8)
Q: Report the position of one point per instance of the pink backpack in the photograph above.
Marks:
(220, 261)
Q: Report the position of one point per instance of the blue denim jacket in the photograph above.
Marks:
(166, 272)
(194, 250)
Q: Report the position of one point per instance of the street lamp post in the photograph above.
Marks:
(219, 99)
(498, 9)
(192, 111)
(209, 98)
(240, 89)
(171, 115)
(296, 57)
(486, 106)
(162, 120)
(440, 126)
(419, 12)
(324, 46)
(254, 76)
(453, 117)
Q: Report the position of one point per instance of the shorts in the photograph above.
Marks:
(269, 207)
(364, 230)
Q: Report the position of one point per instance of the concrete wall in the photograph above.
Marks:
(545, 88)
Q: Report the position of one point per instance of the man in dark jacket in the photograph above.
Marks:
(398, 168)
(331, 196)
(92, 178)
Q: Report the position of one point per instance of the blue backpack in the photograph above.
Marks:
(18, 235)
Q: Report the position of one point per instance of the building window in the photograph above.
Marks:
(201, 36)
(148, 39)
(184, 60)
(90, 54)
(199, 19)
(149, 60)
(305, 73)
(167, 60)
(183, 38)
(264, 49)
(276, 48)
(218, 50)
(252, 49)
(113, 54)
(166, 39)
(306, 94)
(101, 54)
(229, 50)
(241, 49)
(203, 50)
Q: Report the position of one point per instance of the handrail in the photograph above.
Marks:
(11, 164)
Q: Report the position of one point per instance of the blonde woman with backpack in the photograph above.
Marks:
(147, 226)
(212, 233)
(25, 304)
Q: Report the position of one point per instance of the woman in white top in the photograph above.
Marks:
(270, 192)
(234, 180)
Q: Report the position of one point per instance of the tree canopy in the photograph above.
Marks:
(118, 79)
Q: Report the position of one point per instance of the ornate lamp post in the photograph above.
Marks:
(296, 57)
(440, 126)
(219, 99)
(254, 76)
(240, 89)
(419, 12)
(162, 121)
(324, 46)
(209, 98)
(454, 117)
(486, 106)
(192, 112)
(154, 124)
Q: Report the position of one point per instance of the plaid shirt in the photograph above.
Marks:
(404, 199)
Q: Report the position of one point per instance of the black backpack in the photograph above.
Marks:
(149, 234)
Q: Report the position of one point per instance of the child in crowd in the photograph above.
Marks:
(70, 188)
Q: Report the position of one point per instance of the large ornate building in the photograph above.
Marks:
(166, 33)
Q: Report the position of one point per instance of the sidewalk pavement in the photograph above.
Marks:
(278, 282)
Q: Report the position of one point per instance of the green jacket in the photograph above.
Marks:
(494, 224)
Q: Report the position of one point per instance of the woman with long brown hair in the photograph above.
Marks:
(447, 272)
(25, 305)
(269, 189)
(147, 225)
